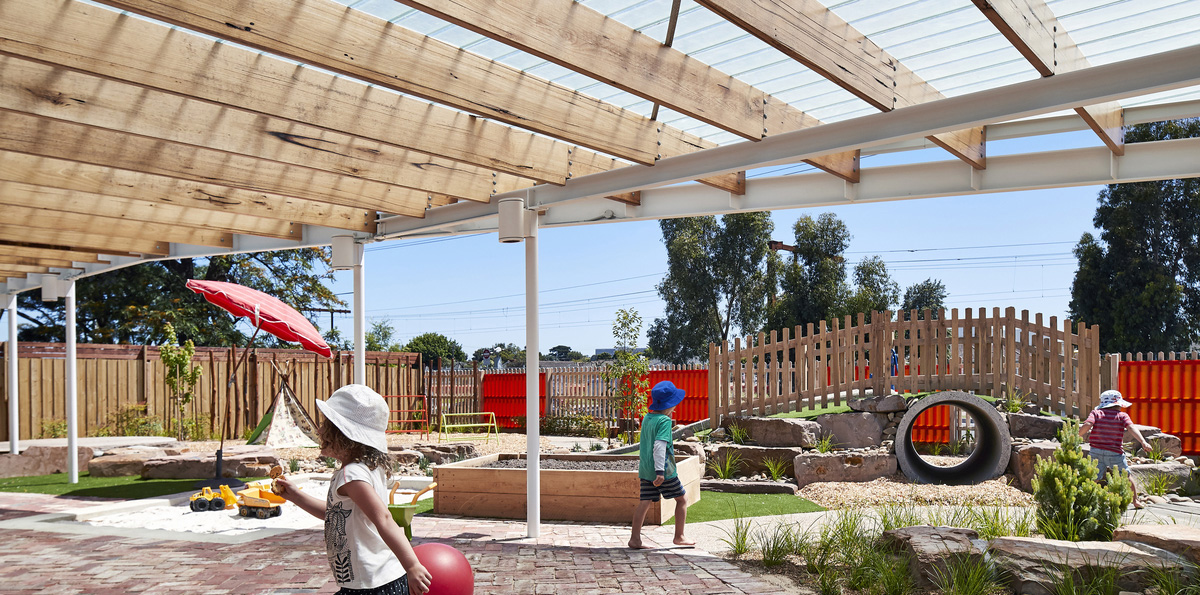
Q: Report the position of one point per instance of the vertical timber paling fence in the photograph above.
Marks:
(113, 378)
(1058, 367)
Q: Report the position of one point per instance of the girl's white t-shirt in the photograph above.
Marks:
(357, 554)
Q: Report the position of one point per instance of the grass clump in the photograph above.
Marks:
(967, 575)
(775, 544)
(727, 466)
(1171, 581)
(738, 434)
(826, 443)
(776, 467)
(737, 537)
(1159, 484)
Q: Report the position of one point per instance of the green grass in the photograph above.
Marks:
(129, 488)
(811, 413)
(716, 506)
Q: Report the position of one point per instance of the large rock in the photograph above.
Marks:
(879, 404)
(1179, 539)
(1034, 427)
(747, 487)
(42, 460)
(237, 461)
(1142, 474)
(403, 456)
(1172, 445)
(852, 430)
(930, 547)
(691, 449)
(1023, 459)
(447, 453)
(813, 467)
(752, 457)
(117, 465)
(1030, 563)
(773, 431)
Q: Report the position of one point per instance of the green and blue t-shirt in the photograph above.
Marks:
(655, 426)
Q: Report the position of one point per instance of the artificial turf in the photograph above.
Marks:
(129, 488)
(716, 506)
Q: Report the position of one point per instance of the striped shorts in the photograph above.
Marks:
(670, 488)
(396, 587)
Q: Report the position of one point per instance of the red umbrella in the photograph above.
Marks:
(264, 311)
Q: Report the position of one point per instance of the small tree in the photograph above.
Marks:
(181, 375)
(626, 375)
(1071, 505)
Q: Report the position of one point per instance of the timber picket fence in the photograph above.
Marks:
(112, 378)
(1057, 367)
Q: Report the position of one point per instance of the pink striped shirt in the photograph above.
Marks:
(1108, 428)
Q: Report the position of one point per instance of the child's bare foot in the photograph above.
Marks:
(638, 545)
(683, 541)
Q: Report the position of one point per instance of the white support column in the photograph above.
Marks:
(72, 377)
(532, 412)
(14, 427)
(360, 319)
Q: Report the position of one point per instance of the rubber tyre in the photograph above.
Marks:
(262, 513)
(278, 510)
(243, 511)
(216, 504)
(199, 505)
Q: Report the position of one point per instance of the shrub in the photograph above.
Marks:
(53, 428)
(584, 426)
(131, 420)
(1071, 505)
(293, 465)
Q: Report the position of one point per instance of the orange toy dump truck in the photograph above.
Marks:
(258, 500)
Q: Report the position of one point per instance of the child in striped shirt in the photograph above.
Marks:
(1105, 430)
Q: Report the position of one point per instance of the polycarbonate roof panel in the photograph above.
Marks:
(949, 43)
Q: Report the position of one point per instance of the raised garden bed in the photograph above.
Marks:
(578, 493)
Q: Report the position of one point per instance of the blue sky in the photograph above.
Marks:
(996, 250)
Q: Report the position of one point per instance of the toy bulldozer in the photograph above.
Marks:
(403, 513)
(206, 499)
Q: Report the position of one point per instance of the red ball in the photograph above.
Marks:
(449, 567)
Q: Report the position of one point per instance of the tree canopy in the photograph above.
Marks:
(133, 305)
(929, 294)
(1140, 279)
(434, 347)
(716, 279)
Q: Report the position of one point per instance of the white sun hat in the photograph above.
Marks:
(360, 413)
(1113, 398)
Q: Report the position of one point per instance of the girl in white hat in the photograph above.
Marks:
(367, 550)
(1105, 429)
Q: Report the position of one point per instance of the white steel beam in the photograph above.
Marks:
(1119, 80)
(72, 378)
(10, 354)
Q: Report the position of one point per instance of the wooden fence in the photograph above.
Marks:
(112, 378)
(1058, 367)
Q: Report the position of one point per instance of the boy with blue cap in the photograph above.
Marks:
(656, 463)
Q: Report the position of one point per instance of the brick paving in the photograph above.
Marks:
(567, 559)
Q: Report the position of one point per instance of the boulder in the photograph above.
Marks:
(773, 431)
(42, 460)
(1034, 427)
(1178, 539)
(879, 404)
(1171, 444)
(752, 457)
(447, 453)
(1023, 459)
(747, 487)
(852, 430)
(405, 457)
(812, 467)
(929, 547)
(691, 449)
(1030, 563)
(117, 465)
(237, 461)
(1141, 474)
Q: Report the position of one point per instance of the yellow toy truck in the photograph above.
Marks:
(206, 499)
(258, 500)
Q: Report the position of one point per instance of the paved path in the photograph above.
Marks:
(567, 559)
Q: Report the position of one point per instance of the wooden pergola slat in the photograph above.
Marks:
(1031, 27)
(112, 227)
(22, 251)
(48, 91)
(90, 242)
(14, 194)
(8, 259)
(808, 32)
(28, 269)
(107, 181)
(35, 135)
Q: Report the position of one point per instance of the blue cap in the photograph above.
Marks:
(664, 396)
